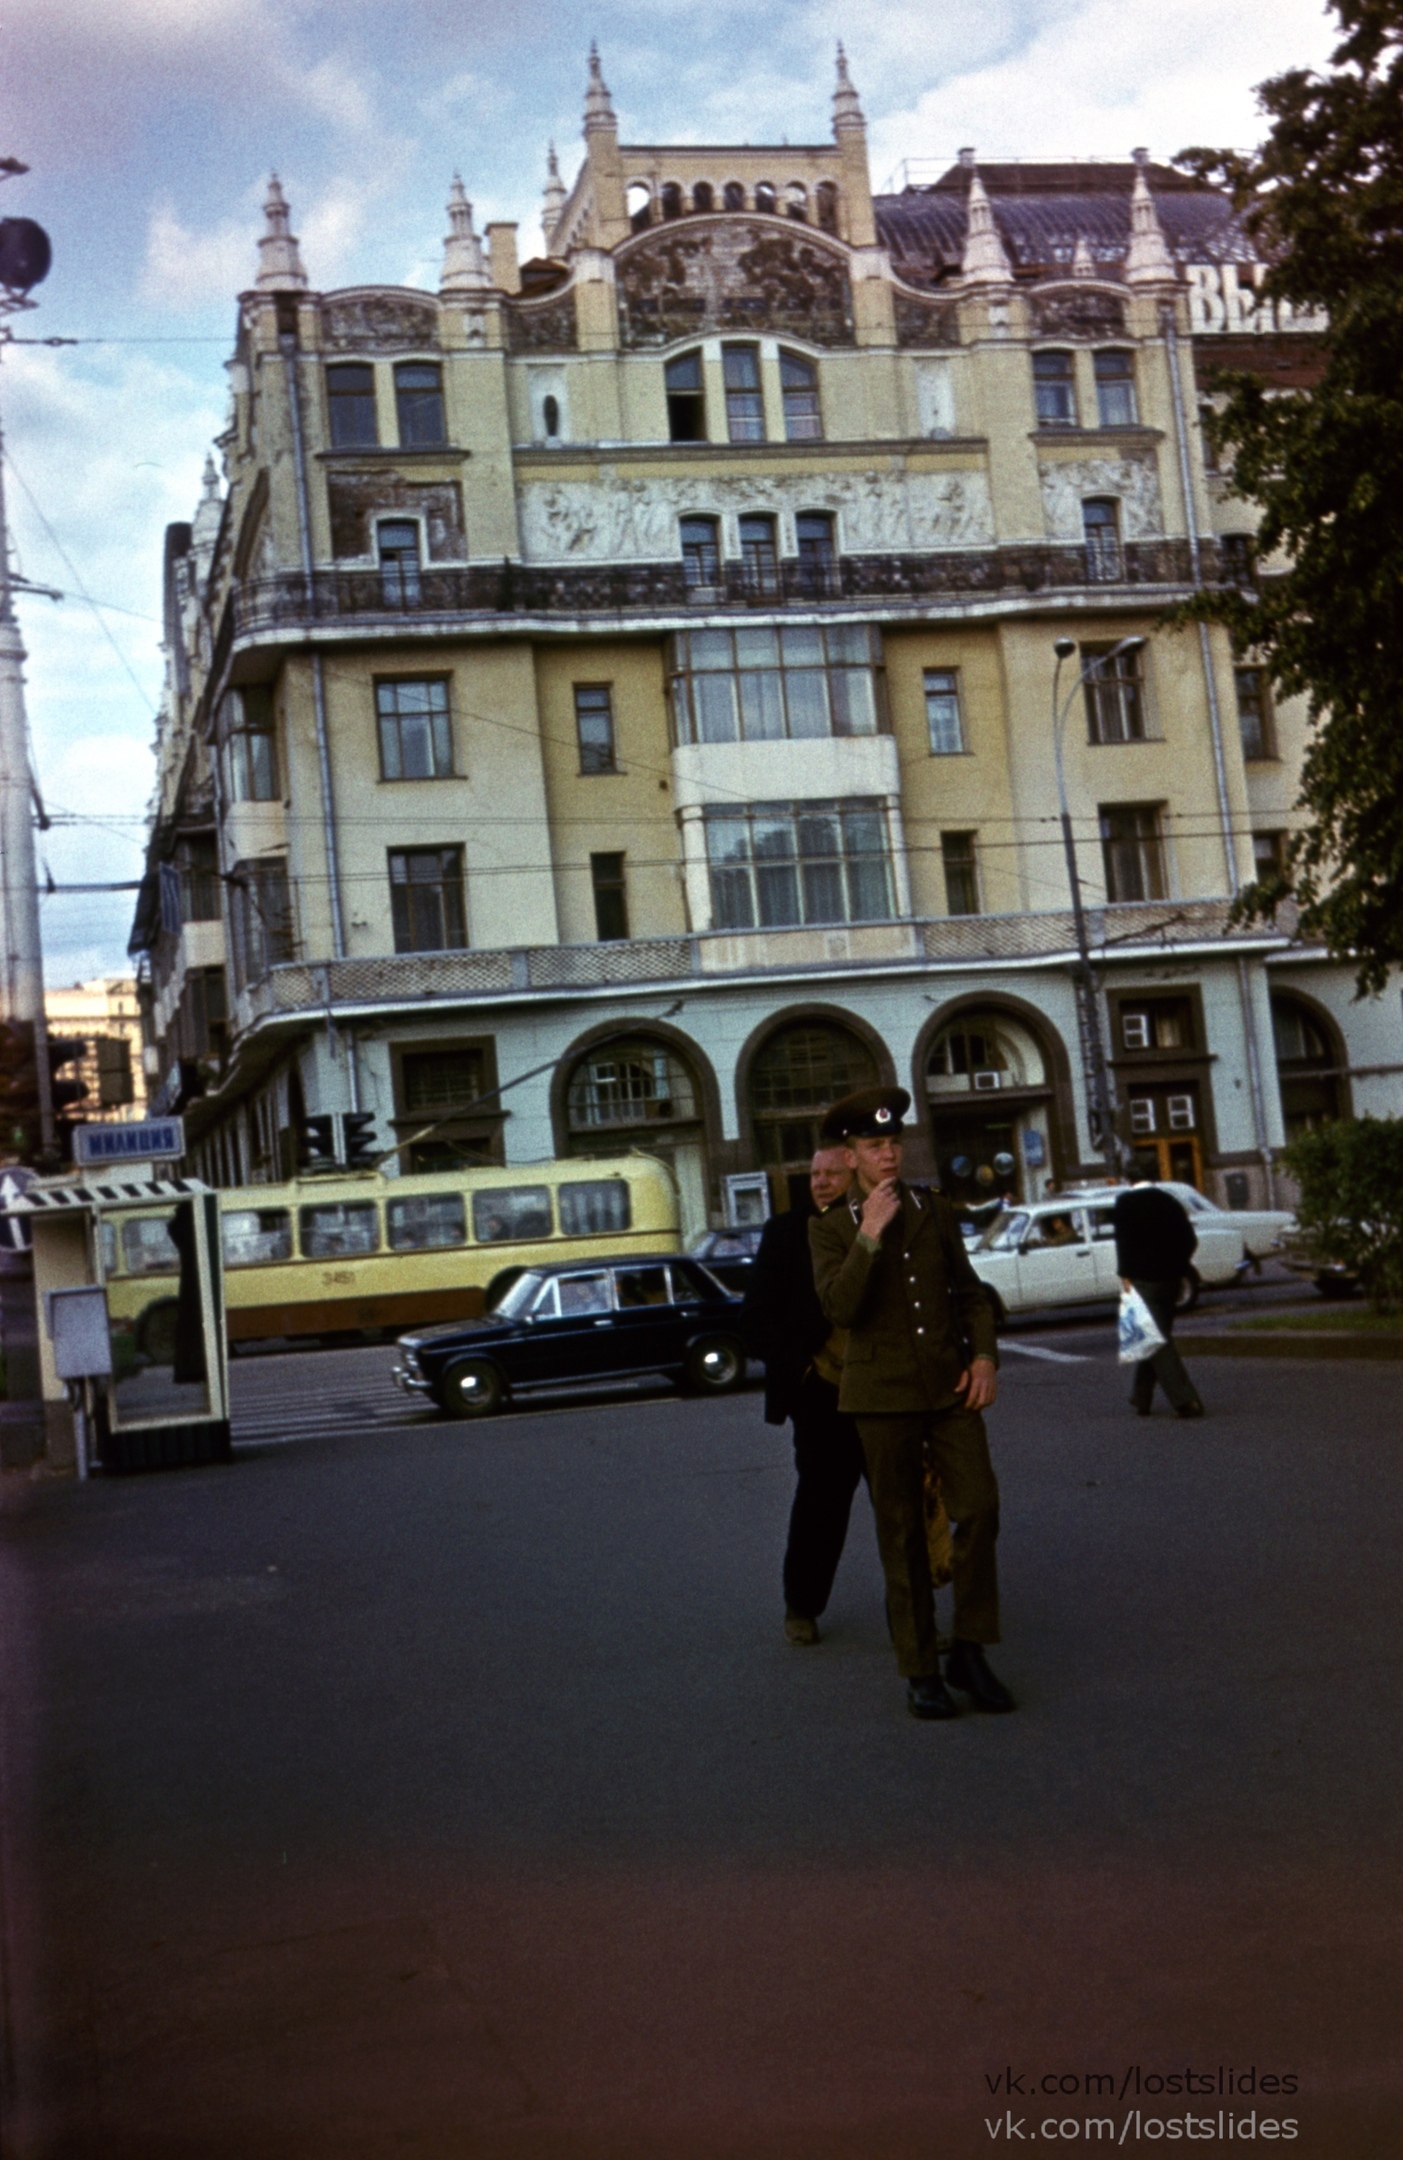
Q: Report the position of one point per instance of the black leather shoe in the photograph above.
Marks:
(1190, 1409)
(930, 1698)
(967, 1669)
(1141, 1409)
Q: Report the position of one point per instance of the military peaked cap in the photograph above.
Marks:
(872, 1114)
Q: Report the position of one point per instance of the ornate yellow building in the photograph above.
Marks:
(638, 663)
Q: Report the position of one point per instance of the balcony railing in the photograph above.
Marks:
(507, 588)
(481, 977)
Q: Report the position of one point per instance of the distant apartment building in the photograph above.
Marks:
(103, 1018)
(634, 669)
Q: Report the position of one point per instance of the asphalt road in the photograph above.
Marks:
(410, 1788)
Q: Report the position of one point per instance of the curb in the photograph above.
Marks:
(1284, 1343)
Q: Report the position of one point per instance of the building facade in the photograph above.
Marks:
(612, 702)
(104, 1018)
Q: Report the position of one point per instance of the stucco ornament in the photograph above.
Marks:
(624, 517)
(1132, 479)
(379, 322)
(731, 274)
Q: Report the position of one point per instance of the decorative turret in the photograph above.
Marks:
(1148, 260)
(204, 526)
(847, 112)
(600, 117)
(463, 267)
(279, 257)
(1082, 264)
(552, 198)
(985, 261)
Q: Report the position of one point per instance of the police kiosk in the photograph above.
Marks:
(107, 1402)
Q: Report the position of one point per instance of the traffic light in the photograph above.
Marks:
(114, 1072)
(19, 1092)
(66, 1050)
(362, 1148)
(319, 1152)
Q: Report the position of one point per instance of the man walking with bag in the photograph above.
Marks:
(1155, 1242)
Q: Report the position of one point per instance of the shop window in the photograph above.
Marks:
(758, 684)
(350, 404)
(1115, 389)
(419, 404)
(745, 405)
(686, 398)
(777, 864)
(796, 1076)
(426, 899)
(416, 739)
(1054, 389)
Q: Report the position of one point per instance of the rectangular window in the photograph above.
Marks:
(957, 854)
(148, 1248)
(426, 1222)
(798, 380)
(1142, 1113)
(1253, 712)
(701, 553)
(432, 1081)
(606, 874)
(1239, 558)
(1181, 1113)
(1269, 854)
(760, 684)
(350, 404)
(419, 404)
(416, 740)
(1135, 1031)
(818, 558)
(1158, 1024)
(1100, 524)
(1132, 850)
(745, 406)
(686, 399)
(1054, 389)
(1115, 389)
(336, 1229)
(593, 1207)
(251, 744)
(398, 546)
(512, 1215)
(426, 899)
(778, 864)
(262, 912)
(947, 735)
(759, 555)
(1115, 694)
(594, 727)
(252, 1237)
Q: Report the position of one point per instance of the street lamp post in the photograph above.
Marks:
(1106, 1139)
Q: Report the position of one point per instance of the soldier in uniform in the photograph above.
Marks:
(921, 1365)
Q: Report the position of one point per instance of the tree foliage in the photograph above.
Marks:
(1350, 1175)
(1323, 201)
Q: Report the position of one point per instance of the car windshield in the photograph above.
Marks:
(1003, 1232)
(514, 1301)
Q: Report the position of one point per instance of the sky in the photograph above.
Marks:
(150, 127)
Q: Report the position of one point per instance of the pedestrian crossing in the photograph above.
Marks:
(272, 1424)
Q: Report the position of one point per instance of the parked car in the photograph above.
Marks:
(729, 1255)
(1331, 1277)
(561, 1324)
(1062, 1251)
(1260, 1227)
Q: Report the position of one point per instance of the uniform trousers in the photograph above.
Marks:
(1166, 1365)
(828, 1458)
(896, 1448)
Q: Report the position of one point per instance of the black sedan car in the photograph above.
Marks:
(575, 1321)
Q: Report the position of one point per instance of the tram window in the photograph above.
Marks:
(337, 1228)
(511, 1214)
(147, 1247)
(594, 1206)
(253, 1236)
(108, 1235)
(427, 1220)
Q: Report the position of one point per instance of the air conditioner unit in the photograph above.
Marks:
(987, 1079)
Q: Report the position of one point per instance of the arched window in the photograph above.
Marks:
(1306, 1064)
(745, 404)
(640, 205)
(671, 199)
(826, 206)
(987, 1087)
(818, 561)
(629, 1082)
(795, 1077)
(733, 195)
(686, 399)
(550, 413)
(982, 1051)
(796, 202)
(703, 197)
(799, 385)
(765, 197)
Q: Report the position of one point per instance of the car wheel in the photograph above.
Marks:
(1189, 1291)
(714, 1365)
(471, 1387)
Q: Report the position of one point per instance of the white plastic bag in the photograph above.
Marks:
(1139, 1337)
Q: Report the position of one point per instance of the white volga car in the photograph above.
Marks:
(1261, 1228)
(1062, 1251)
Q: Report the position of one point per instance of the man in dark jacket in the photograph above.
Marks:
(784, 1325)
(1155, 1242)
(919, 1368)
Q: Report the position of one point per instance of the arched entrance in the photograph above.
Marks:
(1309, 1057)
(635, 1091)
(796, 1074)
(989, 1089)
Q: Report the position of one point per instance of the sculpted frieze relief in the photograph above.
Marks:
(1132, 480)
(379, 322)
(1078, 314)
(924, 324)
(542, 325)
(355, 499)
(623, 517)
(733, 276)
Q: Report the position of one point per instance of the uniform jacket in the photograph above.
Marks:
(915, 1308)
(782, 1317)
(1155, 1240)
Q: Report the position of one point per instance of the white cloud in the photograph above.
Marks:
(188, 270)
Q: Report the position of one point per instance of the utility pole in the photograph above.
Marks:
(24, 261)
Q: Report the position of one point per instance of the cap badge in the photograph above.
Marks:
(882, 1116)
